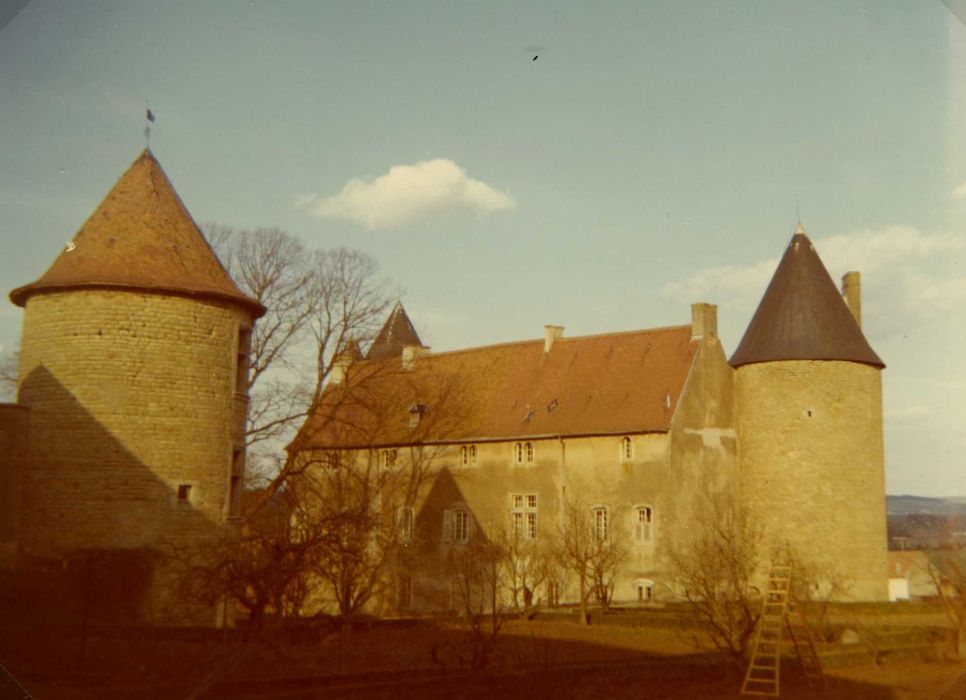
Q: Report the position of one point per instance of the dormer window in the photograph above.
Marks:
(416, 412)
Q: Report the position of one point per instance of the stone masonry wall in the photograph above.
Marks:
(131, 395)
(14, 431)
(811, 465)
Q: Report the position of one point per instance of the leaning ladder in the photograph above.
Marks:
(762, 677)
(780, 610)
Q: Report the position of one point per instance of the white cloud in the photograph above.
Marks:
(960, 191)
(903, 277)
(407, 193)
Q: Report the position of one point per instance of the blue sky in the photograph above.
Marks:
(652, 156)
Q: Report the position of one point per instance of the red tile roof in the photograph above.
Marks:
(142, 237)
(594, 385)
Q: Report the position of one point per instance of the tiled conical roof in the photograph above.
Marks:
(802, 316)
(140, 237)
(396, 333)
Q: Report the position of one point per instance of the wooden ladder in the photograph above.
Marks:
(780, 610)
(762, 677)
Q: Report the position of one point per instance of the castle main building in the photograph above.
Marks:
(643, 430)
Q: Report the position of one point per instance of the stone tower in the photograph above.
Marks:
(133, 367)
(809, 397)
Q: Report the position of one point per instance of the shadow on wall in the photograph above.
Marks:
(101, 535)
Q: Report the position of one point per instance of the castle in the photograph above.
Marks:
(643, 431)
(127, 438)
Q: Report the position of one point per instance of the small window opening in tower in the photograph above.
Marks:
(241, 364)
(184, 493)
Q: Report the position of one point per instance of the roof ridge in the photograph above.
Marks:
(536, 341)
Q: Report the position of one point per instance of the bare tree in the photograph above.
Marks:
(528, 564)
(8, 375)
(592, 548)
(948, 574)
(316, 303)
(713, 570)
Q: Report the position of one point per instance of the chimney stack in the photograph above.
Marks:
(550, 334)
(852, 293)
(410, 353)
(704, 321)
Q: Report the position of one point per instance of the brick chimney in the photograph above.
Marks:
(704, 321)
(410, 353)
(852, 293)
(550, 334)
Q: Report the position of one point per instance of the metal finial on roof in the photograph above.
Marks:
(149, 115)
(800, 230)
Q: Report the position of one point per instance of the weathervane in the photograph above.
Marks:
(149, 115)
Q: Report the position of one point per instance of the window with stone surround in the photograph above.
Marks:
(523, 515)
(523, 452)
(627, 449)
(468, 455)
(642, 523)
(600, 521)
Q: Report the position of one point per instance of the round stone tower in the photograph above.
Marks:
(809, 398)
(133, 365)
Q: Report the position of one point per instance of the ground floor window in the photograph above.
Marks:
(645, 590)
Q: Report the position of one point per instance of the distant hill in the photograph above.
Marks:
(910, 505)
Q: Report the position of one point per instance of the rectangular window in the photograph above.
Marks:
(241, 362)
(461, 526)
(184, 493)
(406, 521)
(643, 516)
(523, 515)
(405, 592)
(600, 522)
(387, 459)
(330, 460)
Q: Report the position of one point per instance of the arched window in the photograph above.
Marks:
(643, 524)
(468, 455)
(600, 522)
(627, 449)
(523, 452)
(387, 459)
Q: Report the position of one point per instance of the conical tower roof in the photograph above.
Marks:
(140, 237)
(396, 333)
(802, 316)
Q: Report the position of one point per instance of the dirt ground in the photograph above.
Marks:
(532, 659)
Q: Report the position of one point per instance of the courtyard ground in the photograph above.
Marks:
(546, 657)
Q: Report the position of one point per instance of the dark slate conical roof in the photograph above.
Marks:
(142, 237)
(396, 333)
(802, 316)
